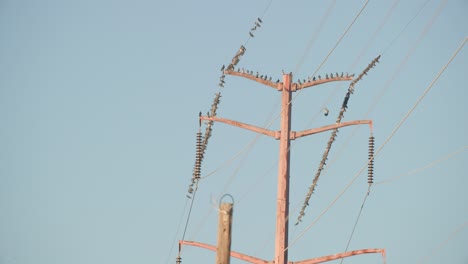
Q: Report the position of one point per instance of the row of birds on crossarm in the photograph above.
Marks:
(269, 78)
(327, 77)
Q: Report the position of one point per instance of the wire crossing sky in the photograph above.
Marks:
(99, 104)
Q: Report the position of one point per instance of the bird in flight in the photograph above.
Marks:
(326, 111)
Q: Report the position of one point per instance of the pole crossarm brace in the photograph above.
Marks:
(318, 260)
(342, 255)
(293, 134)
(234, 254)
(279, 85)
(312, 131)
(264, 131)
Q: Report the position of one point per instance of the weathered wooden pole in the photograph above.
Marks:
(282, 200)
(223, 250)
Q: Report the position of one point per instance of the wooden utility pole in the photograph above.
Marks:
(223, 250)
(284, 135)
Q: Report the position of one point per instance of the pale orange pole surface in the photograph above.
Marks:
(282, 196)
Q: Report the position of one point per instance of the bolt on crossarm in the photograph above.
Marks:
(284, 135)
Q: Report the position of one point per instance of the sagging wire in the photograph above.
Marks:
(383, 144)
(441, 245)
(356, 223)
(332, 138)
(202, 140)
(201, 147)
(446, 157)
(370, 181)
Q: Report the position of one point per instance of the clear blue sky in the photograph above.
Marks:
(99, 103)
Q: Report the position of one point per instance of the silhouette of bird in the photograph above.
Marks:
(313, 79)
(331, 75)
(259, 20)
(250, 33)
(326, 76)
(341, 75)
(319, 77)
(326, 111)
(222, 68)
(199, 119)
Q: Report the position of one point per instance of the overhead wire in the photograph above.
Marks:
(405, 27)
(441, 245)
(312, 40)
(210, 123)
(394, 178)
(325, 59)
(333, 137)
(356, 222)
(398, 69)
(382, 146)
(394, 74)
(335, 46)
(417, 102)
(384, 21)
(446, 157)
(364, 49)
(407, 56)
(353, 65)
(322, 63)
(177, 232)
(269, 123)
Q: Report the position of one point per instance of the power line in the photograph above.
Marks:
(356, 222)
(425, 167)
(177, 232)
(214, 107)
(405, 27)
(382, 146)
(408, 55)
(441, 245)
(314, 35)
(394, 74)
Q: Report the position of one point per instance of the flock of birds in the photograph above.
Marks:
(269, 78)
(257, 24)
(332, 138)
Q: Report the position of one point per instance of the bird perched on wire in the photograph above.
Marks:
(325, 111)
